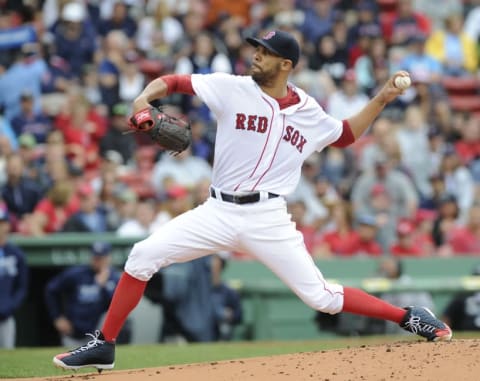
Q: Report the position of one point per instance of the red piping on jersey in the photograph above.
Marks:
(264, 146)
(274, 154)
(177, 83)
(346, 138)
(304, 103)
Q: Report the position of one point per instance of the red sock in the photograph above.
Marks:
(128, 293)
(359, 302)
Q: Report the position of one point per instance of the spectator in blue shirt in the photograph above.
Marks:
(77, 297)
(226, 302)
(28, 120)
(20, 194)
(13, 282)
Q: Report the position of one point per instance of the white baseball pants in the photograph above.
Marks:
(262, 229)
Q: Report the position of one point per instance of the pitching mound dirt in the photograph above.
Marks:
(457, 360)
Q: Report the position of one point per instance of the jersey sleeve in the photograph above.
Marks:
(330, 129)
(214, 90)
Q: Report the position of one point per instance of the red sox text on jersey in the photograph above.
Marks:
(260, 125)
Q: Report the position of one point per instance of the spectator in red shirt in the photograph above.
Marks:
(336, 239)
(406, 246)
(363, 241)
(297, 209)
(82, 128)
(466, 240)
(468, 147)
(52, 211)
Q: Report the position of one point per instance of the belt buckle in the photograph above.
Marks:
(236, 199)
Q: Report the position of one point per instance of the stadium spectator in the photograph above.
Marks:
(412, 137)
(141, 223)
(399, 187)
(318, 20)
(347, 100)
(13, 282)
(131, 80)
(407, 23)
(75, 37)
(466, 239)
(328, 58)
(446, 220)
(30, 121)
(52, 211)
(20, 194)
(158, 30)
(335, 237)
(458, 180)
(77, 297)
(226, 301)
(109, 68)
(25, 74)
(462, 312)
(90, 216)
(119, 20)
(363, 241)
(183, 169)
(453, 48)
(468, 146)
(82, 127)
(115, 138)
(406, 244)
(297, 210)
(392, 268)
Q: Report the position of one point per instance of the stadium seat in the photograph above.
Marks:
(465, 102)
(461, 85)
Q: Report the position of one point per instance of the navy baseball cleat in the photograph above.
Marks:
(97, 353)
(422, 321)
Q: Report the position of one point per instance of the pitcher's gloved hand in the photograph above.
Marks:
(167, 131)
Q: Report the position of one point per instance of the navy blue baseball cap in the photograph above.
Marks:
(279, 42)
(101, 249)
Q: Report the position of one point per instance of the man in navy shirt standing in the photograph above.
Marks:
(13, 282)
(77, 297)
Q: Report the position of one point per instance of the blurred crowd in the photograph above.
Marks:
(69, 71)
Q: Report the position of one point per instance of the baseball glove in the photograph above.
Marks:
(169, 132)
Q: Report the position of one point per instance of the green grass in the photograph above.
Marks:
(31, 362)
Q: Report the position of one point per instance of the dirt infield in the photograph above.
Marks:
(457, 360)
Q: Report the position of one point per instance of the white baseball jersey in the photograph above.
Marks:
(258, 146)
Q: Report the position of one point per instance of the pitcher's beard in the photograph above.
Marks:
(264, 78)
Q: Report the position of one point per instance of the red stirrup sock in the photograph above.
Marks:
(128, 293)
(359, 302)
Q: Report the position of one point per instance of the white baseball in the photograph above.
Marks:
(402, 82)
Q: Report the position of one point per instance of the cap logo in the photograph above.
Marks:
(269, 35)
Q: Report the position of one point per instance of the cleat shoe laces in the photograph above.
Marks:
(422, 321)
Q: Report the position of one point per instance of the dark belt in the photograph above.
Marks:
(241, 199)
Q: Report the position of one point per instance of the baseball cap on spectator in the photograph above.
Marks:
(367, 219)
(176, 192)
(29, 48)
(101, 249)
(27, 140)
(279, 42)
(26, 95)
(418, 38)
(85, 190)
(73, 12)
(405, 227)
(446, 198)
(378, 189)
